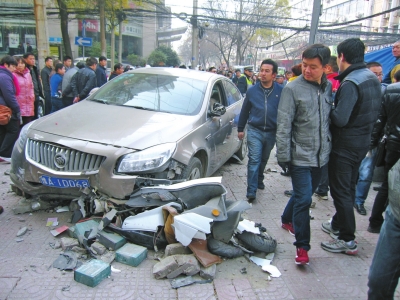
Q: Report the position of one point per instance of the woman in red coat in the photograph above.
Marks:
(26, 97)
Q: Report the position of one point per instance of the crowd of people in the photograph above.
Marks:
(59, 83)
(327, 119)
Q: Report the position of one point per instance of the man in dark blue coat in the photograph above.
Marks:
(259, 112)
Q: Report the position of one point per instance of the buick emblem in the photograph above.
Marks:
(60, 160)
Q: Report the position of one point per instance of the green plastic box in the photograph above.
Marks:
(111, 240)
(92, 273)
(131, 254)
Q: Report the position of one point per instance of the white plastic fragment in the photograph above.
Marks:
(115, 270)
(148, 220)
(260, 261)
(189, 226)
(272, 270)
(249, 226)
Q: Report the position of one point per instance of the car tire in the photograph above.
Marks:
(40, 110)
(257, 242)
(242, 152)
(194, 170)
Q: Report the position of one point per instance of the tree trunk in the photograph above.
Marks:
(102, 28)
(120, 43)
(112, 47)
(64, 27)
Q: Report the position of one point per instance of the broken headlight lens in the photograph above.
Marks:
(146, 160)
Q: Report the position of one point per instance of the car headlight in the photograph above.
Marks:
(23, 135)
(148, 159)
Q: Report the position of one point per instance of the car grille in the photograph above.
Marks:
(68, 160)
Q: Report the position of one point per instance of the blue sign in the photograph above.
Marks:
(55, 40)
(84, 28)
(83, 41)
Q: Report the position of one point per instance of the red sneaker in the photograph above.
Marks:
(301, 257)
(288, 227)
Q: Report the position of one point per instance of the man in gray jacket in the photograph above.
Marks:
(303, 141)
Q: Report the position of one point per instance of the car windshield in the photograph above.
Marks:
(164, 93)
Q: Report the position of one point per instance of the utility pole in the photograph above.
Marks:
(195, 37)
(314, 21)
(42, 33)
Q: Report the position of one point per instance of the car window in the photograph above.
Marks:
(165, 93)
(232, 92)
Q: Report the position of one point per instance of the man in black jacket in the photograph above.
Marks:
(388, 124)
(357, 104)
(37, 86)
(84, 80)
(100, 70)
(45, 75)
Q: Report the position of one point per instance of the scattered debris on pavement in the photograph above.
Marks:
(192, 221)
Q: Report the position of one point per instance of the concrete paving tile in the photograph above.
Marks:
(244, 289)
(225, 289)
(345, 286)
(197, 291)
(275, 289)
(7, 284)
(306, 286)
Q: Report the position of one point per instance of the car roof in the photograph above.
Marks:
(193, 74)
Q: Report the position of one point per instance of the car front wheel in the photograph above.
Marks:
(40, 109)
(241, 153)
(194, 170)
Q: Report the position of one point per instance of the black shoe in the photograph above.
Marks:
(288, 193)
(287, 174)
(376, 188)
(261, 186)
(251, 198)
(374, 229)
(360, 209)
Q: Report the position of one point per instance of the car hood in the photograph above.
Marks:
(116, 125)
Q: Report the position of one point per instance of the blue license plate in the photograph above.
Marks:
(63, 182)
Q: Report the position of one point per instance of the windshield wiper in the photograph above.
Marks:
(101, 101)
(141, 107)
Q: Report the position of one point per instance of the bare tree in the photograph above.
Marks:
(237, 24)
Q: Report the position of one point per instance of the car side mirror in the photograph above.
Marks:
(217, 110)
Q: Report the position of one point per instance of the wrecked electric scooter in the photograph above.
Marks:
(195, 209)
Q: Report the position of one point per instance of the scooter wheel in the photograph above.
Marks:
(225, 250)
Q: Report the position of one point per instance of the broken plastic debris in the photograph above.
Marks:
(51, 222)
(22, 231)
(189, 226)
(18, 240)
(62, 209)
(146, 221)
(266, 266)
(260, 261)
(272, 170)
(249, 226)
(58, 230)
(272, 270)
(115, 270)
(180, 282)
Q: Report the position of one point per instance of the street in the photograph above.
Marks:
(26, 271)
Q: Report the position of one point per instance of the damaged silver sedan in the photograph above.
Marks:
(158, 123)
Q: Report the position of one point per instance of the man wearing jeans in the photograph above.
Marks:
(357, 103)
(259, 111)
(384, 272)
(303, 141)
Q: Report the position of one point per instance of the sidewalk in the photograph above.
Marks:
(25, 270)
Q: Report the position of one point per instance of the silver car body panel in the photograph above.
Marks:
(112, 131)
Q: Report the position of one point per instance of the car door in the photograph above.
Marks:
(233, 108)
(219, 127)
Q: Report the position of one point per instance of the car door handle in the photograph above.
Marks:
(220, 122)
(208, 137)
(231, 122)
